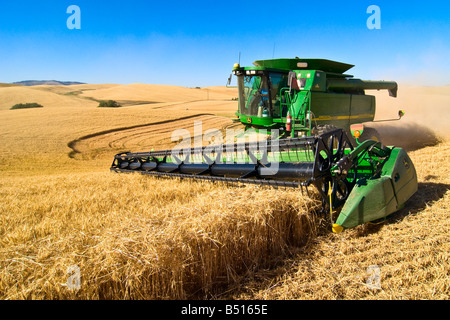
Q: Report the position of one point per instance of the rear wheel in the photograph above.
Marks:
(370, 134)
(318, 130)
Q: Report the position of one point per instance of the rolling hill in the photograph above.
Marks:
(46, 82)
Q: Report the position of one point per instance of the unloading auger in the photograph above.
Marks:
(362, 184)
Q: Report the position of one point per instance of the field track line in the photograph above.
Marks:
(73, 144)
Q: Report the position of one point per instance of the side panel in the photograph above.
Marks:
(362, 108)
(331, 108)
(256, 121)
(400, 169)
(373, 199)
(369, 200)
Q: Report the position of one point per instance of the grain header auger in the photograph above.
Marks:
(361, 184)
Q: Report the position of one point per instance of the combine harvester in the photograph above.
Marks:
(358, 182)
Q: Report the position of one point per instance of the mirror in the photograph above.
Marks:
(229, 80)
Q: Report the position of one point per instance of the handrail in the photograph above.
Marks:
(286, 93)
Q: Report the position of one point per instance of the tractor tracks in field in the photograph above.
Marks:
(135, 136)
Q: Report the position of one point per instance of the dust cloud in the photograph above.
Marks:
(426, 120)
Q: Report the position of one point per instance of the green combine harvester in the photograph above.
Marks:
(319, 111)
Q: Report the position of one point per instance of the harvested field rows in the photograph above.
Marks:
(143, 137)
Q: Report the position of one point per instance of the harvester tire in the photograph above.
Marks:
(370, 134)
(318, 130)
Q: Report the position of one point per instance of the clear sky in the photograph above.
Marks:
(195, 43)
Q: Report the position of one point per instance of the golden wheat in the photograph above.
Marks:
(137, 237)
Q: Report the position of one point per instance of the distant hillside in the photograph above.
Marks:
(8, 85)
(46, 82)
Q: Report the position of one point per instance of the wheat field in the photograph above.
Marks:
(135, 237)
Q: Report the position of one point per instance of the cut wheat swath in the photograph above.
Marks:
(172, 241)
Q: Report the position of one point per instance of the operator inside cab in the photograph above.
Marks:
(260, 94)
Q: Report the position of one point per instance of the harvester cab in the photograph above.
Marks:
(304, 97)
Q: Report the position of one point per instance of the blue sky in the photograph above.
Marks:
(196, 43)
